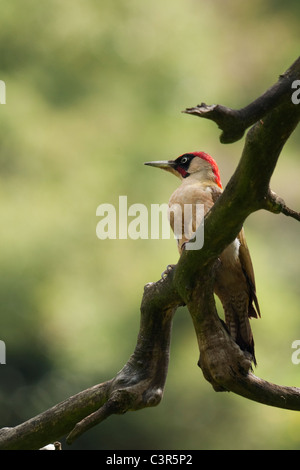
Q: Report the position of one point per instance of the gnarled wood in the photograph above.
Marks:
(141, 381)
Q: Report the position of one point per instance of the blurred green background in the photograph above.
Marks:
(94, 89)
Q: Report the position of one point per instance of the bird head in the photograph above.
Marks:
(196, 165)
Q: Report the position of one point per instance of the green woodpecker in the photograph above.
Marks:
(234, 281)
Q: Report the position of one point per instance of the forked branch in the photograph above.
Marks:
(141, 381)
(234, 122)
(139, 384)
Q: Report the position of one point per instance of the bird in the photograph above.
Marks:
(234, 282)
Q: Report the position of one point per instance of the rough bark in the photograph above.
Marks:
(140, 383)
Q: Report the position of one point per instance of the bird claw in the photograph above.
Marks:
(167, 271)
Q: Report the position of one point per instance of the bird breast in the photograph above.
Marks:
(187, 206)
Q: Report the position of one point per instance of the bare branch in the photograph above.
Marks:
(276, 204)
(223, 363)
(233, 122)
(54, 423)
(139, 384)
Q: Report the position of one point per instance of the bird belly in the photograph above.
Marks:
(231, 254)
(185, 213)
(229, 273)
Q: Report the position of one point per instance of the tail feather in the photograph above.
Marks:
(240, 330)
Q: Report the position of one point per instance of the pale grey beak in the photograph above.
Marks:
(164, 164)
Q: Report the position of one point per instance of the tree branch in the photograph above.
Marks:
(141, 381)
(276, 204)
(233, 122)
(139, 384)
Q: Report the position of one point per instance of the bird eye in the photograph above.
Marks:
(183, 160)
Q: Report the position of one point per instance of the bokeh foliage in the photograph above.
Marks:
(94, 89)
